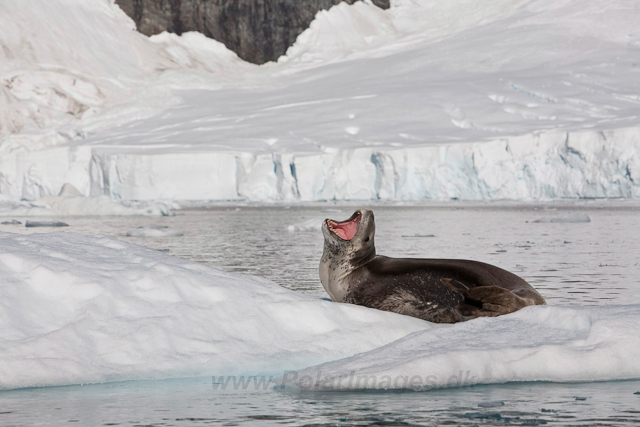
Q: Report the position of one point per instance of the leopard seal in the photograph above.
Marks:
(436, 290)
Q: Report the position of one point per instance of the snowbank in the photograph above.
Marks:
(535, 344)
(78, 309)
(72, 67)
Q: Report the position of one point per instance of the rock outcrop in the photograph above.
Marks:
(257, 30)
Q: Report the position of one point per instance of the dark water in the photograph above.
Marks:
(593, 263)
(193, 402)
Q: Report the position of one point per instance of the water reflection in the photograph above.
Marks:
(193, 403)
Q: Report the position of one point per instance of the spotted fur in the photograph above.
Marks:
(436, 290)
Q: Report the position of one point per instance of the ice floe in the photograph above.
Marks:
(78, 309)
(540, 343)
(569, 218)
(81, 309)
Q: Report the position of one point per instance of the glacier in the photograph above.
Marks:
(526, 101)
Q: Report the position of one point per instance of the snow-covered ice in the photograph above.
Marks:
(541, 343)
(80, 309)
(536, 99)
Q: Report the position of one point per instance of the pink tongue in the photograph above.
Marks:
(346, 230)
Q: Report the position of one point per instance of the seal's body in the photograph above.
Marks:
(437, 290)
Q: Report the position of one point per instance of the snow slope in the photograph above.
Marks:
(79, 309)
(530, 99)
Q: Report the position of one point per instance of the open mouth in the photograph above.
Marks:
(347, 229)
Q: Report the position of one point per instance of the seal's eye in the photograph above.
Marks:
(366, 240)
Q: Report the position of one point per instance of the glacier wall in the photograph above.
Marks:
(587, 164)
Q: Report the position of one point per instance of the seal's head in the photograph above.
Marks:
(351, 239)
(348, 245)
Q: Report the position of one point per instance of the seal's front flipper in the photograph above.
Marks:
(494, 301)
(455, 285)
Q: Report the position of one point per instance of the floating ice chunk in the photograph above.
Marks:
(493, 404)
(117, 311)
(308, 225)
(46, 224)
(270, 239)
(155, 231)
(570, 218)
(12, 222)
(352, 130)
